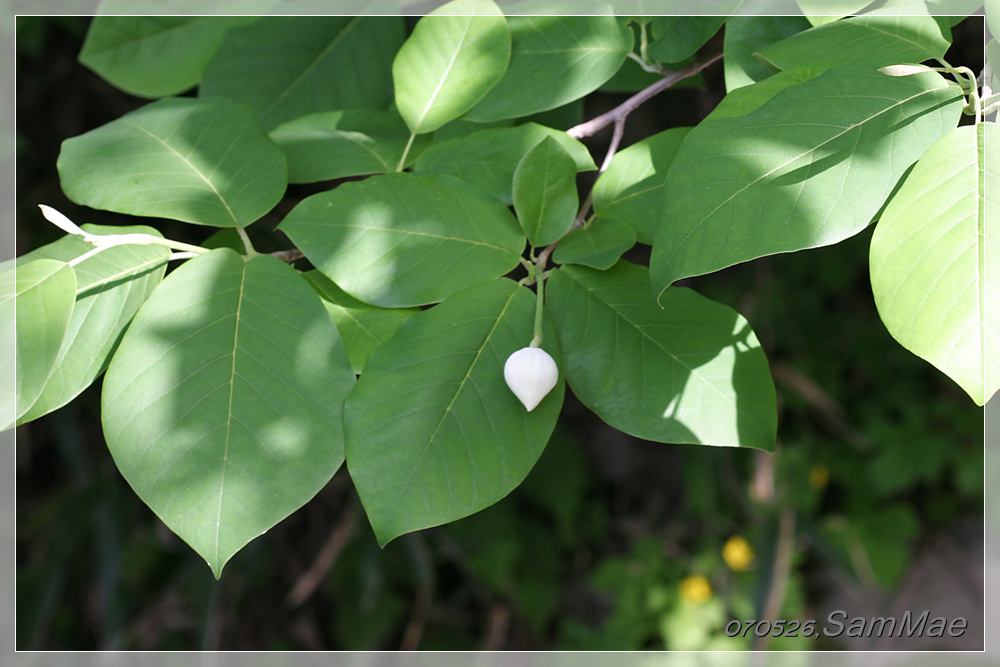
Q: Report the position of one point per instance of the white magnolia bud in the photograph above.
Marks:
(531, 374)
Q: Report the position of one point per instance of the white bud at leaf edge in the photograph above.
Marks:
(531, 374)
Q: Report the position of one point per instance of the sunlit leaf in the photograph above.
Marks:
(36, 305)
(206, 161)
(398, 240)
(223, 405)
(554, 60)
(111, 286)
(929, 259)
(433, 432)
(795, 174)
(454, 56)
(691, 371)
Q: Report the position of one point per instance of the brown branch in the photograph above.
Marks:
(327, 556)
(593, 126)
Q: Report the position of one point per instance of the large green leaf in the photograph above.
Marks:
(631, 190)
(873, 40)
(335, 144)
(690, 372)
(154, 56)
(455, 55)
(544, 190)
(809, 168)
(363, 327)
(554, 60)
(284, 67)
(929, 260)
(488, 158)
(398, 240)
(747, 35)
(36, 305)
(433, 432)
(110, 287)
(206, 161)
(223, 405)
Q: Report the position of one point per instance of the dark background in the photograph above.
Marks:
(572, 557)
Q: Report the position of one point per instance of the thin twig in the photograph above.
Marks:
(592, 127)
(779, 572)
(310, 580)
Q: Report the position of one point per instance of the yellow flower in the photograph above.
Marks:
(737, 553)
(819, 476)
(695, 589)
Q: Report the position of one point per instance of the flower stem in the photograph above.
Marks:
(539, 303)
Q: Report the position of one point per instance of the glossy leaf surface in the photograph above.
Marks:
(223, 405)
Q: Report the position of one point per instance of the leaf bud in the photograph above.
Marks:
(531, 374)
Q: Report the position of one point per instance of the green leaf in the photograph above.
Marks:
(751, 97)
(398, 240)
(450, 62)
(675, 38)
(554, 60)
(929, 260)
(600, 245)
(205, 161)
(545, 196)
(110, 287)
(690, 372)
(336, 144)
(488, 158)
(745, 36)
(871, 40)
(631, 190)
(364, 328)
(433, 432)
(154, 56)
(795, 174)
(36, 305)
(289, 66)
(223, 405)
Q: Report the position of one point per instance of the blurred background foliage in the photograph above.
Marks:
(611, 543)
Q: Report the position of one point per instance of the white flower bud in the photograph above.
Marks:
(531, 374)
